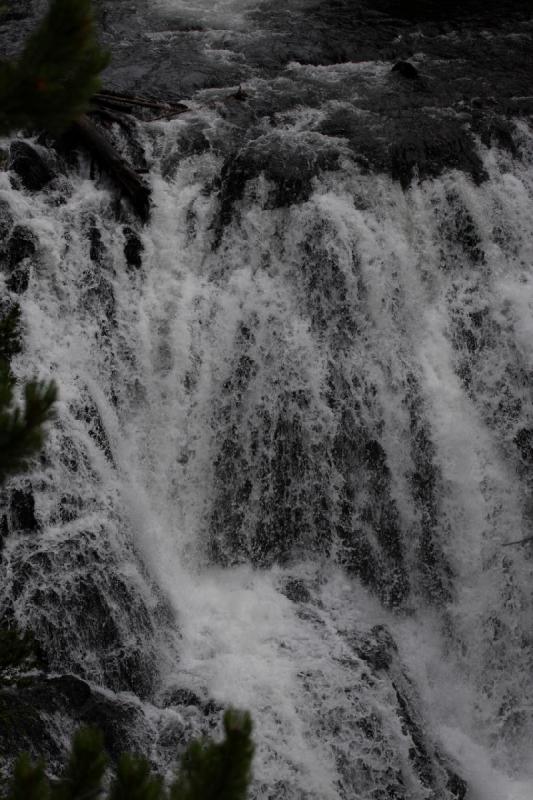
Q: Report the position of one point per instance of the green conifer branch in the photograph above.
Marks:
(218, 771)
(85, 771)
(58, 72)
(134, 781)
(21, 429)
(209, 771)
(29, 781)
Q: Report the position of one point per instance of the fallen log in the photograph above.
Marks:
(131, 183)
(518, 541)
(108, 99)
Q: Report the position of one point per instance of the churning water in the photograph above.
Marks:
(292, 445)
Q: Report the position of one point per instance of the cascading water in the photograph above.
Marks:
(294, 437)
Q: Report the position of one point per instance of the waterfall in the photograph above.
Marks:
(293, 443)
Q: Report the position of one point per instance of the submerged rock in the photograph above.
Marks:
(22, 509)
(406, 70)
(39, 713)
(31, 165)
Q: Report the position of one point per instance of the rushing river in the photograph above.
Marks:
(295, 428)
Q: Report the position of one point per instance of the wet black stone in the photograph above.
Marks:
(182, 698)
(21, 245)
(457, 786)
(33, 711)
(22, 509)
(296, 590)
(496, 130)
(19, 280)
(89, 414)
(406, 70)
(69, 507)
(4, 530)
(420, 755)
(133, 248)
(377, 648)
(30, 165)
(524, 442)
(96, 247)
(289, 164)
(425, 153)
(16, 258)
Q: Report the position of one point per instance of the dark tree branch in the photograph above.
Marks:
(112, 162)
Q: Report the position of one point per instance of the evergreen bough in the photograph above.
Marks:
(21, 427)
(51, 83)
(208, 771)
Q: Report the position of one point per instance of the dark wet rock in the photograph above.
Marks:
(88, 413)
(457, 786)
(133, 248)
(382, 666)
(70, 507)
(462, 236)
(369, 528)
(378, 648)
(287, 514)
(406, 70)
(425, 154)
(4, 530)
(288, 162)
(6, 223)
(497, 131)
(434, 572)
(22, 509)
(326, 293)
(96, 249)
(37, 714)
(296, 590)
(15, 258)
(10, 331)
(31, 165)
(109, 633)
(524, 442)
(21, 246)
(183, 697)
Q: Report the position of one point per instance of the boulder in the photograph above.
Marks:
(29, 163)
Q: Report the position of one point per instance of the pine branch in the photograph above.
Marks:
(29, 781)
(85, 771)
(212, 771)
(57, 73)
(21, 429)
(134, 781)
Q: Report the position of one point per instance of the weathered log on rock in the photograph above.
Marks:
(112, 162)
(125, 102)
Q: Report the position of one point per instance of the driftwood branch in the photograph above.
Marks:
(122, 102)
(114, 107)
(519, 541)
(112, 162)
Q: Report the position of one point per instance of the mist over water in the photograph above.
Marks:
(294, 440)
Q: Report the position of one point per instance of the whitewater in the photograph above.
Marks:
(293, 444)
